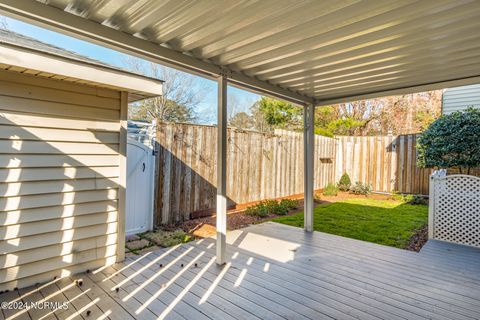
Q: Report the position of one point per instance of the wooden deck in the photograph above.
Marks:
(276, 272)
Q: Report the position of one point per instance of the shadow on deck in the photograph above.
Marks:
(275, 272)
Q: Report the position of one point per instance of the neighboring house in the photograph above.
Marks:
(63, 141)
(461, 98)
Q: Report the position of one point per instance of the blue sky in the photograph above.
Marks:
(206, 110)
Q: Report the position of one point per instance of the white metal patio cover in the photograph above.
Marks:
(308, 52)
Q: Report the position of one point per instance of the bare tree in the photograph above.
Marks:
(181, 94)
(3, 23)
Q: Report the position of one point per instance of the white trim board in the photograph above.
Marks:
(98, 75)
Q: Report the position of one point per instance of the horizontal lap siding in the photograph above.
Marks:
(59, 173)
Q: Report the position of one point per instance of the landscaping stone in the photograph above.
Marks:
(132, 237)
(137, 244)
(148, 249)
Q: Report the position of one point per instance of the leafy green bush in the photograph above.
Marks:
(396, 195)
(258, 210)
(408, 198)
(344, 183)
(451, 141)
(330, 190)
(361, 188)
(413, 199)
(290, 204)
(274, 207)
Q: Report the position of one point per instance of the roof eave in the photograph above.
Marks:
(99, 74)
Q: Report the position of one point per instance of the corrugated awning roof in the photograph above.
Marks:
(311, 51)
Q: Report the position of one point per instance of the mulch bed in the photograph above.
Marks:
(236, 219)
(418, 239)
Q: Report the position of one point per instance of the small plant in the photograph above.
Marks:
(317, 197)
(290, 204)
(330, 190)
(361, 188)
(344, 183)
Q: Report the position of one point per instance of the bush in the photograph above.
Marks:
(271, 207)
(345, 182)
(290, 204)
(330, 190)
(274, 207)
(408, 198)
(451, 141)
(258, 210)
(414, 199)
(396, 195)
(361, 188)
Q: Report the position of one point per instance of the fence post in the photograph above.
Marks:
(431, 204)
(432, 199)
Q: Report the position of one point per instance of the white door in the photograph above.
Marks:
(140, 171)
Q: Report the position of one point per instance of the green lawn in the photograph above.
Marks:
(385, 222)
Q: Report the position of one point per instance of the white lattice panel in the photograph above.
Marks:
(457, 209)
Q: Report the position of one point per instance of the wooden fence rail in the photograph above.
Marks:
(262, 166)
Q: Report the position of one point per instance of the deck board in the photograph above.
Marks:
(274, 272)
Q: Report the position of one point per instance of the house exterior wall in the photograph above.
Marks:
(61, 165)
(461, 98)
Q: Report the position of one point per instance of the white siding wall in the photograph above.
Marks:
(59, 173)
(461, 98)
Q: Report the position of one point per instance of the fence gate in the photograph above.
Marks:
(140, 172)
(454, 209)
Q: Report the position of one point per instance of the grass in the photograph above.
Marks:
(386, 222)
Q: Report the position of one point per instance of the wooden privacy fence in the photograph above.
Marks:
(387, 163)
(262, 166)
(259, 166)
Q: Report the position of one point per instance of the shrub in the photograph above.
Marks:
(290, 204)
(330, 190)
(414, 199)
(271, 207)
(274, 207)
(396, 195)
(361, 188)
(451, 141)
(408, 198)
(258, 210)
(345, 182)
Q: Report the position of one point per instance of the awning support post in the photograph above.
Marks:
(222, 170)
(308, 152)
